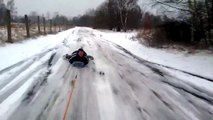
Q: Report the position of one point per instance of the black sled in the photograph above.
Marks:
(78, 62)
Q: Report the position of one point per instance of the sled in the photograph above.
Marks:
(78, 63)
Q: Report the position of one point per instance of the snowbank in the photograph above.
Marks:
(199, 63)
(14, 53)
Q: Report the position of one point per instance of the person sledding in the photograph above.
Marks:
(79, 56)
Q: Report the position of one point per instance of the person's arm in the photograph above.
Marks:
(72, 58)
(75, 53)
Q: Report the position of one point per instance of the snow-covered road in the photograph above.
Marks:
(115, 86)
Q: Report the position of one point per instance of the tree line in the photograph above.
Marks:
(19, 27)
(33, 16)
(193, 23)
(178, 21)
(112, 14)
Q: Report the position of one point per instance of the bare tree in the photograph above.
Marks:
(2, 11)
(12, 8)
(33, 17)
(114, 19)
(124, 6)
(198, 12)
(107, 15)
(48, 15)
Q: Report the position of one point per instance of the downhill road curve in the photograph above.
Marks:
(114, 86)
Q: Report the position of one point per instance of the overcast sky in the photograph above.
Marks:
(69, 8)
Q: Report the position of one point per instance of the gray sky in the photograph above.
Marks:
(69, 8)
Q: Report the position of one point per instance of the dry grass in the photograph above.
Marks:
(157, 39)
(18, 31)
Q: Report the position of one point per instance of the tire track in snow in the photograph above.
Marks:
(184, 86)
(7, 78)
(36, 56)
(45, 98)
(163, 101)
(123, 110)
(149, 62)
(19, 80)
(125, 92)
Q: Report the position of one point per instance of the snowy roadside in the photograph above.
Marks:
(17, 52)
(13, 93)
(199, 63)
(23, 65)
(131, 76)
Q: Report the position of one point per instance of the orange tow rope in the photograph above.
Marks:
(69, 101)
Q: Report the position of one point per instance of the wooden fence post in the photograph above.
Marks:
(59, 27)
(50, 26)
(27, 25)
(55, 26)
(8, 20)
(44, 25)
(39, 30)
(67, 25)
